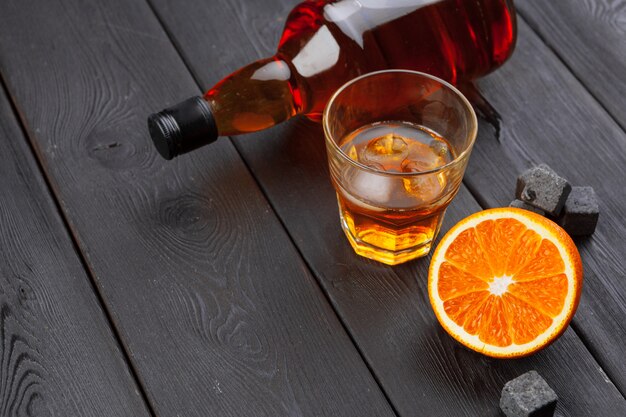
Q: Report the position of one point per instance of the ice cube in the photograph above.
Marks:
(440, 148)
(374, 188)
(426, 187)
(376, 166)
(352, 153)
(385, 150)
(424, 157)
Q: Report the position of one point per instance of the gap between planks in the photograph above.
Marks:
(476, 195)
(74, 242)
(280, 220)
(480, 201)
(558, 56)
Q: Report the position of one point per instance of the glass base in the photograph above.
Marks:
(382, 255)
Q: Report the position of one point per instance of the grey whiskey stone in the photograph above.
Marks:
(528, 395)
(543, 188)
(580, 214)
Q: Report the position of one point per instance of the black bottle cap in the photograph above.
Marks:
(183, 127)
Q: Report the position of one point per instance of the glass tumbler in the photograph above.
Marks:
(398, 143)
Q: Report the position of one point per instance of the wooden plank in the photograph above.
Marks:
(217, 311)
(386, 309)
(590, 37)
(59, 356)
(547, 116)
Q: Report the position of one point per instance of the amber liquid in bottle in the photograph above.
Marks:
(327, 43)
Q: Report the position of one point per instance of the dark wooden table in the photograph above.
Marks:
(220, 284)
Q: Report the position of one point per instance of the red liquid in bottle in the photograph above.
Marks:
(326, 43)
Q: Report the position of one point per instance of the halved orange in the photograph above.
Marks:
(505, 282)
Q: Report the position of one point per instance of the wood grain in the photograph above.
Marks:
(590, 37)
(58, 356)
(386, 309)
(547, 116)
(219, 314)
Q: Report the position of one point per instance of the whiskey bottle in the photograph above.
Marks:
(325, 44)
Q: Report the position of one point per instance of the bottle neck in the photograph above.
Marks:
(258, 96)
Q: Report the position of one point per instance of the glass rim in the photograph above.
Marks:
(461, 156)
